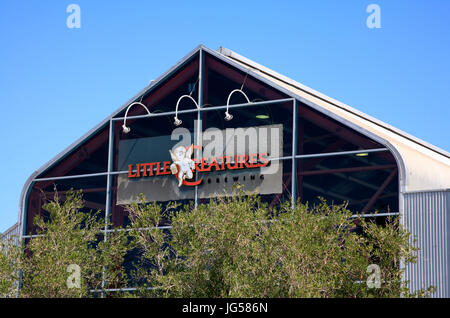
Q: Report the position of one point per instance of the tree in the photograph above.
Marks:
(238, 247)
(9, 269)
(229, 247)
(68, 256)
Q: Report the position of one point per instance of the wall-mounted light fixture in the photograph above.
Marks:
(228, 116)
(126, 129)
(177, 122)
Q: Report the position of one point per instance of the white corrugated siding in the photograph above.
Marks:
(426, 216)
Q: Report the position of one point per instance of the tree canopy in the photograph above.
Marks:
(228, 247)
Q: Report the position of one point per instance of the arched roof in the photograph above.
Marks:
(423, 166)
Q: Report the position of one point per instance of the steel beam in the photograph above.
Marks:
(108, 189)
(238, 77)
(379, 191)
(198, 135)
(352, 169)
(294, 152)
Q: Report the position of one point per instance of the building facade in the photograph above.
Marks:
(216, 119)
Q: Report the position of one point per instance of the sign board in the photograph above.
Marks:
(164, 168)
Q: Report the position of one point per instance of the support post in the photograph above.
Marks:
(108, 191)
(300, 145)
(198, 130)
(294, 153)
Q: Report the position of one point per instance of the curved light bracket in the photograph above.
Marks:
(228, 116)
(177, 122)
(126, 129)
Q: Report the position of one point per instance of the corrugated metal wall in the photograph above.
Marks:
(11, 233)
(426, 216)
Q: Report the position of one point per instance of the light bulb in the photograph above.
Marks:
(177, 122)
(125, 129)
(228, 116)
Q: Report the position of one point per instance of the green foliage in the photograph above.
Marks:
(70, 236)
(9, 271)
(237, 247)
(229, 247)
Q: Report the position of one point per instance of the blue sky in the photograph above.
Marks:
(56, 83)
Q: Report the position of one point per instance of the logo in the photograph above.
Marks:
(183, 166)
(188, 164)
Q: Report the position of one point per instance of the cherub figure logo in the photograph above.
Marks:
(182, 166)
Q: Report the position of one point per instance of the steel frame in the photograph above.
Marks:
(110, 172)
